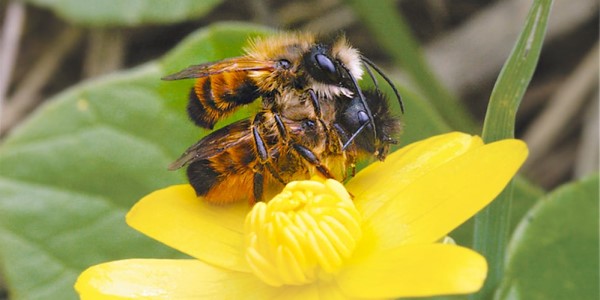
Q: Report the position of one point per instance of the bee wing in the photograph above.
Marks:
(215, 143)
(235, 64)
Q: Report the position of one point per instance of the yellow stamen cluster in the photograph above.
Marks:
(302, 234)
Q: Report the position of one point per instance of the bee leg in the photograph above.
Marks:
(261, 149)
(342, 133)
(351, 151)
(258, 186)
(317, 107)
(281, 127)
(309, 156)
(315, 102)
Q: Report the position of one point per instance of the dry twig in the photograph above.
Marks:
(106, 51)
(562, 108)
(332, 21)
(587, 159)
(478, 48)
(26, 94)
(302, 11)
(11, 34)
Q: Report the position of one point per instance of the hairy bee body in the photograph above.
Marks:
(227, 166)
(315, 119)
(217, 96)
(288, 62)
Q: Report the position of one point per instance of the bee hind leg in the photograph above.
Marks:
(258, 187)
(259, 178)
(263, 161)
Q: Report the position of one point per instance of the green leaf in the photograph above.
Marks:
(69, 176)
(72, 171)
(421, 120)
(492, 224)
(127, 12)
(554, 252)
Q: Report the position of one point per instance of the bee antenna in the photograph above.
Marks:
(354, 135)
(362, 99)
(387, 79)
(370, 72)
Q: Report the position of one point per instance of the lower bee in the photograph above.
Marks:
(356, 130)
(254, 159)
(242, 160)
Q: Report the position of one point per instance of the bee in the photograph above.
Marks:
(286, 63)
(351, 121)
(254, 158)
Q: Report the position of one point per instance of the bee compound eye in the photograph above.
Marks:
(363, 118)
(325, 63)
(284, 64)
(308, 124)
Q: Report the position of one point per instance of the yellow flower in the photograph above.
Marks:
(315, 241)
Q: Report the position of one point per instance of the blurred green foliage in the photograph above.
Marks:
(71, 172)
(111, 13)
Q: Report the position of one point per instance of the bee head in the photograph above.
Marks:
(360, 131)
(321, 66)
(336, 64)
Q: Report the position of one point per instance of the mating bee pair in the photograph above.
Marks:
(315, 119)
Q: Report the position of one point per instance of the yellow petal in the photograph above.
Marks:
(414, 271)
(442, 199)
(179, 219)
(379, 182)
(325, 289)
(167, 279)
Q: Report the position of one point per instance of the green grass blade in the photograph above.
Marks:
(492, 224)
(516, 75)
(393, 34)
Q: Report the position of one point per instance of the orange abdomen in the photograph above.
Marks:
(216, 96)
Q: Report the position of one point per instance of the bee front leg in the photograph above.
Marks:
(315, 103)
(351, 152)
(281, 128)
(309, 156)
(317, 107)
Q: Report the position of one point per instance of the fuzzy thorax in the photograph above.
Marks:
(292, 47)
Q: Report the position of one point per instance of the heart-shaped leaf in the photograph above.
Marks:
(554, 251)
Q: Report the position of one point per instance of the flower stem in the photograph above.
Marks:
(492, 224)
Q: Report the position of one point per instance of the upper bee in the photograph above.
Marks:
(302, 62)
(270, 66)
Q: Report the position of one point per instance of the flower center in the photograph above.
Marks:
(302, 234)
